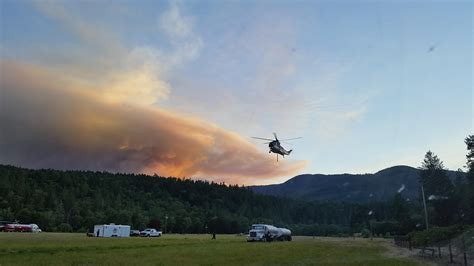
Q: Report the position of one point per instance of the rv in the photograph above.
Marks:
(268, 233)
(111, 230)
(15, 227)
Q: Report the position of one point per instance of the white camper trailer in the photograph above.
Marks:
(111, 230)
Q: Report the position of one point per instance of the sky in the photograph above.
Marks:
(178, 88)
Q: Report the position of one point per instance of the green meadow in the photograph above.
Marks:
(78, 249)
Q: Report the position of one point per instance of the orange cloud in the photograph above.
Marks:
(49, 120)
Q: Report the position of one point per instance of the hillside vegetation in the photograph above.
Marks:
(380, 186)
(76, 200)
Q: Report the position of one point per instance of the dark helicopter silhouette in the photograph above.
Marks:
(275, 147)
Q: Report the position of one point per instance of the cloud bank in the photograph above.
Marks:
(54, 122)
(103, 113)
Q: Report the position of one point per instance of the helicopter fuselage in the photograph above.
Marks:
(275, 147)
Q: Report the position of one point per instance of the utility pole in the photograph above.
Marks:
(424, 204)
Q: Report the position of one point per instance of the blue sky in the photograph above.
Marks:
(356, 80)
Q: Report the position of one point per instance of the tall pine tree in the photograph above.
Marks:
(439, 190)
(470, 175)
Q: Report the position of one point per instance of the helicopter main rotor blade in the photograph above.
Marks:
(275, 134)
(290, 139)
(262, 138)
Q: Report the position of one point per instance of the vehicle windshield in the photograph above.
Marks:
(258, 227)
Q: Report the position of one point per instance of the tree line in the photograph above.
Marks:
(74, 201)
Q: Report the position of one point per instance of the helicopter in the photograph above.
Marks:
(275, 147)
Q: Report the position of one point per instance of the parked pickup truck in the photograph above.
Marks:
(150, 232)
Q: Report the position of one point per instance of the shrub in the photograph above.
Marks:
(64, 227)
(82, 230)
(365, 233)
(434, 235)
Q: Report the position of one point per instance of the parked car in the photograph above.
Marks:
(150, 232)
(134, 233)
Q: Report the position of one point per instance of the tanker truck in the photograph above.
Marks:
(268, 233)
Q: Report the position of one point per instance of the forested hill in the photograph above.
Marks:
(76, 200)
(380, 186)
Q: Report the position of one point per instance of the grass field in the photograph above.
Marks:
(77, 249)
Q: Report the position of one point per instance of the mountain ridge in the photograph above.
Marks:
(378, 186)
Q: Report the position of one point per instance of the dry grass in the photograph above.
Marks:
(77, 249)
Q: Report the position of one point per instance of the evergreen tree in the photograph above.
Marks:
(470, 157)
(400, 209)
(439, 190)
(470, 176)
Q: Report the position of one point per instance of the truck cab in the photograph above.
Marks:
(262, 232)
(256, 233)
(35, 228)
